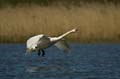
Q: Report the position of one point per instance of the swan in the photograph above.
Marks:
(40, 42)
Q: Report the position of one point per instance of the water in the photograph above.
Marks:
(86, 61)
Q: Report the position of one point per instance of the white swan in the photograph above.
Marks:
(40, 42)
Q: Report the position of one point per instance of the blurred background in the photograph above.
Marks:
(97, 20)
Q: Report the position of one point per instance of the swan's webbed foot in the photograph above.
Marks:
(39, 53)
(43, 53)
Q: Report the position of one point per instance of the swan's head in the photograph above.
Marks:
(74, 30)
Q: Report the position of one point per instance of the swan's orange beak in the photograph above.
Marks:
(76, 29)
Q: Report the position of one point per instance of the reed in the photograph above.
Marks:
(96, 22)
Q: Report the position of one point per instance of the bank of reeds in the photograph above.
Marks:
(96, 22)
(55, 2)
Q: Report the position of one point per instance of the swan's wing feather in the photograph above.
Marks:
(63, 45)
(35, 40)
(43, 38)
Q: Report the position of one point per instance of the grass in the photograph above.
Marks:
(51, 2)
(96, 22)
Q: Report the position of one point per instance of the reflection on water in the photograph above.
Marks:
(50, 68)
(84, 62)
(45, 68)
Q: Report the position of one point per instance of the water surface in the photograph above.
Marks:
(86, 61)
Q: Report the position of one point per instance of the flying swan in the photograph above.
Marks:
(40, 42)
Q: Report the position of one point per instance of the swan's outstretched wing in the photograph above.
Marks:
(63, 45)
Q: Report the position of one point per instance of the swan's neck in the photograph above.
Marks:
(55, 39)
(65, 34)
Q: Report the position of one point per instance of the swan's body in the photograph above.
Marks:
(41, 42)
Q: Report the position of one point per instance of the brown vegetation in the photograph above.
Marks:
(96, 22)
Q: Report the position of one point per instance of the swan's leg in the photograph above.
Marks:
(39, 52)
(43, 53)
